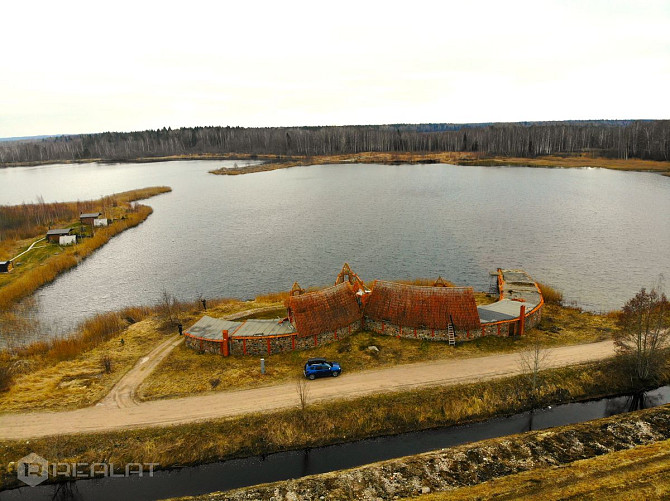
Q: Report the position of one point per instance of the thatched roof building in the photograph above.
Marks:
(423, 307)
(325, 310)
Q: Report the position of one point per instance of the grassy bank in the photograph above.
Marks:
(638, 473)
(319, 424)
(454, 158)
(68, 373)
(64, 377)
(274, 162)
(210, 372)
(450, 470)
(23, 223)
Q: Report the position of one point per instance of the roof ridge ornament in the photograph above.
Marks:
(296, 290)
(440, 282)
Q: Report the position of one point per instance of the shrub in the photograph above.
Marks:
(106, 362)
(551, 295)
(6, 375)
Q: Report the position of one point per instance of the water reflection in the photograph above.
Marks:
(67, 491)
(634, 402)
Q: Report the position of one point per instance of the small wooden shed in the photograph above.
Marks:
(53, 236)
(88, 218)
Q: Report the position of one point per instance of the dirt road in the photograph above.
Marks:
(123, 393)
(182, 410)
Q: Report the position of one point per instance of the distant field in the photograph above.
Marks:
(455, 158)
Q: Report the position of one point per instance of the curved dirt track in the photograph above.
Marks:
(223, 404)
(123, 393)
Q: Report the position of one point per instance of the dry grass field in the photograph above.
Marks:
(69, 373)
(209, 372)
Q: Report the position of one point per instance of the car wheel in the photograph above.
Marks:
(336, 373)
(311, 377)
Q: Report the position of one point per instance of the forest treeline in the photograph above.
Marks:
(644, 139)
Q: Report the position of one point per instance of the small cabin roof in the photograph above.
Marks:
(261, 327)
(60, 231)
(212, 328)
(89, 214)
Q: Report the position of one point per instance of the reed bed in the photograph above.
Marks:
(550, 295)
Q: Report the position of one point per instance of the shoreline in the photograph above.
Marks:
(25, 284)
(457, 158)
(276, 162)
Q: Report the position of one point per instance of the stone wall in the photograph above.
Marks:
(412, 333)
(206, 345)
(265, 345)
(501, 329)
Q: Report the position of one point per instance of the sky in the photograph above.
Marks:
(71, 67)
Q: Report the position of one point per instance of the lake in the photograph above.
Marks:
(597, 235)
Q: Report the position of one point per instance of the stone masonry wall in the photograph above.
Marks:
(259, 346)
(412, 333)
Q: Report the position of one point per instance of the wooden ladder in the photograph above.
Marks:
(450, 332)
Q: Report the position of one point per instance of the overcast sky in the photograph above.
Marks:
(76, 67)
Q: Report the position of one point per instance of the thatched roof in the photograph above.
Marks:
(423, 307)
(324, 310)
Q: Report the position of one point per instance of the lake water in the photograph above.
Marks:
(597, 235)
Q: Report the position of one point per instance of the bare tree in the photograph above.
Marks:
(169, 306)
(532, 361)
(303, 392)
(644, 335)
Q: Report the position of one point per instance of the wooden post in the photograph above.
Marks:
(225, 351)
(522, 319)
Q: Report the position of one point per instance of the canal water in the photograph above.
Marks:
(286, 465)
(598, 235)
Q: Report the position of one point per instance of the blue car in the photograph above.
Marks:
(318, 367)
